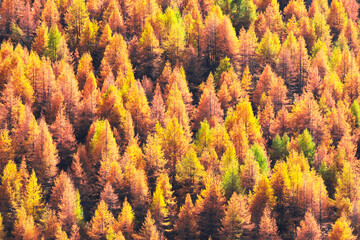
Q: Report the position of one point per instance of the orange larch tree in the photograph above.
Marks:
(210, 210)
(209, 106)
(186, 227)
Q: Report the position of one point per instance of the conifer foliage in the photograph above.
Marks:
(179, 119)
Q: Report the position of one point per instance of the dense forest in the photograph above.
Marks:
(179, 119)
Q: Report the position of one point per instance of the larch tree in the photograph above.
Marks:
(204, 137)
(101, 222)
(163, 181)
(194, 25)
(263, 195)
(158, 106)
(209, 106)
(24, 133)
(112, 235)
(136, 182)
(105, 38)
(85, 67)
(175, 144)
(237, 218)
(268, 49)
(116, 178)
(63, 135)
(87, 108)
(303, 64)
(88, 38)
(240, 140)
(137, 15)
(346, 190)
(350, 31)
(70, 210)
(109, 172)
(60, 234)
(139, 109)
(261, 157)
(37, 8)
(286, 67)
(112, 15)
(186, 227)
(205, 6)
(280, 182)
(341, 230)
(307, 146)
(210, 40)
(309, 228)
(110, 198)
(190, 173)
(24, 226)
(155, 160)
(27, 23)
(33, 201)
(134, 155)
(10, 12)
(228, 43)
(266, 113)
(21, 84)
(41, 39)
(45, 86)
(210, 210)
(320, 58)
(75, 19)
(55, 39)
(269, 20)
(231, 90)
(148, 87)
(70, 91)
(6, 148)
(337, 17)
(148, 229)
(50, 14)
(65, 200)
(174, 43)
(159, 210)
(111, 107)
(45, 157)
(246, 80)
(244, 115)
(247, 47)
(267, 228)
(231, 178)
(117, 56)
(149, 59)
(24, 177)
(305, 115)
(295, 8)
(95, 8)
(101, 142)
(351, 8)
(249, 172)
(78, 174)
(11, 190)
(10, 104)
(263, 85)
(126, 220)
(178, 76)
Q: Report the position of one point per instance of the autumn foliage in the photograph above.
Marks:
(179, 119)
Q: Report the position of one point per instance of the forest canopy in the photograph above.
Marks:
(179, 119)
